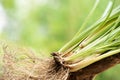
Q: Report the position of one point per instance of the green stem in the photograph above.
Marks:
(87, 19)
(85, 51)
(92, 47)
(89, 60)
(69, 46)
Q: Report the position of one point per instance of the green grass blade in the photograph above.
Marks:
(88, 17)
(69, 46)
(97, 44)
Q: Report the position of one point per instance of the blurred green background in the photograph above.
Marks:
(46, 25)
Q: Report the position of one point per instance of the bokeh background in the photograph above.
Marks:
(46, 25)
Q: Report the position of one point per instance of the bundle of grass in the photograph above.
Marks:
(92, 50)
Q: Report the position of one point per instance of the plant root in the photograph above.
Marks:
(21, 64)
(24, 66)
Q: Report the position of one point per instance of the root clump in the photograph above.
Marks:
(24, 65)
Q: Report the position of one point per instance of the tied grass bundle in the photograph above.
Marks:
(91, 46)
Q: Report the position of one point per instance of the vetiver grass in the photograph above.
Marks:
(91, 44)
